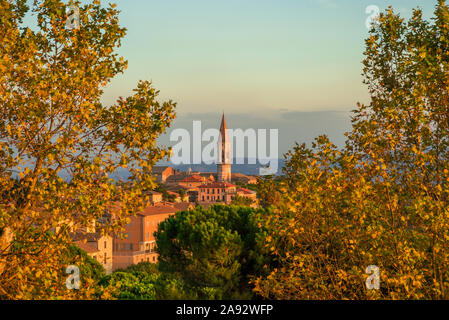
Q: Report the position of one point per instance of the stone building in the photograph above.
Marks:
(222, 192)
(162, 173)
(138, 243)
(97, 246)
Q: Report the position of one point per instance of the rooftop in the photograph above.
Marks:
(81, 236)
(217, 185)
(88, 247)
(194, 178)
(164, 208)
(158, 209)
(246, 191)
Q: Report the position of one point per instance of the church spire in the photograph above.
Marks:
(223, 126)
(224, 153)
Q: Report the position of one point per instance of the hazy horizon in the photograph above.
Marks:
(295, 66)
(291, 65)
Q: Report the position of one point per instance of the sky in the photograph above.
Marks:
(292, 65)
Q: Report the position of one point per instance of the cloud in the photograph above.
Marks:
(293, 126)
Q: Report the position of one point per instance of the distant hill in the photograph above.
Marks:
(248, 169)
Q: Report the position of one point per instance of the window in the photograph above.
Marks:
(105, 245)
(105, 257)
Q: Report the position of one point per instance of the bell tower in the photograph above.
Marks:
(224, 154)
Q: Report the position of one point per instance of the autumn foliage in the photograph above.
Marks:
(380, 200)
(59, 145)
(383, 199)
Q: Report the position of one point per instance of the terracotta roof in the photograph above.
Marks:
(217, 185)
(174, 187)
(246, 191)
(206, 174)
(176, 177)
(241, 175)
(159, 209)
(183, 206)
(193, 178)
(88, 247)
(165, 208)
(81, 236)
(237, 174)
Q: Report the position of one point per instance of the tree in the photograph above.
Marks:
(145, 267)
(316, 227)
(383, 199)
(61, 143)
(132, 286)
(144, 281)
(242, 201)
(166, 196)
(90, 268)
(213, 251)
(268, 191)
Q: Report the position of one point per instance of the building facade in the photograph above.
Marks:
(138, 243)
(193, 181)
(162, 173)
(97, 246)
(223, 192)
